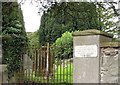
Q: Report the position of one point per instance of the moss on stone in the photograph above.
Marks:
(110, 44)
(92, 32)
(5, 37)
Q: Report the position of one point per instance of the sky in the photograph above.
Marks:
(31, 16)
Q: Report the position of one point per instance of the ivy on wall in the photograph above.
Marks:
(13, 26)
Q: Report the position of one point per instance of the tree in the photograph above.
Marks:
(108, 20)
(33, 40)
(46, 4)
(13, 26)
(62, 17)
(109, 24)
(108, 5)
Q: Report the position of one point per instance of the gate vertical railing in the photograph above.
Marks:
(43, 67)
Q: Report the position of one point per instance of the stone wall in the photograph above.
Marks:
(103, 67)
(109, 62)
(27, 63)
(87, 61)
(3, 76)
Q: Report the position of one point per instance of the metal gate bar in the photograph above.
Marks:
(46, 68)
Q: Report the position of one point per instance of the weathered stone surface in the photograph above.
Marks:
(101, 69)
(87, 69)
(109, 65)
(91, 32)
(3, 76)
(110, 44)
(27, 63)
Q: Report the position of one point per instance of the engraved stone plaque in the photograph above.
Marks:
(86, 51)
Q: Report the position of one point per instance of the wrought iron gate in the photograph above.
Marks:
(40, 66)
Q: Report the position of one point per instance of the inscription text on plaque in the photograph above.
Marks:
(86, 51)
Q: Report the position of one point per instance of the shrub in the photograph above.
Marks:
(63, 46)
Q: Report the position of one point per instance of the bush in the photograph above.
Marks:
(33, 40)
(63, 46)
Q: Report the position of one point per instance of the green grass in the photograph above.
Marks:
(62, 75)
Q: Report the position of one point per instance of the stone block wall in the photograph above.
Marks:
(3, 76)
(109, 65)
(101, 68)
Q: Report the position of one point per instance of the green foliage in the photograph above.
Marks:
(63, 46)
(71, 16)
(33, 39)
(108, 20)
(13, 26)
(62, 17)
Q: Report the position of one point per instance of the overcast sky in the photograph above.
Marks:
(31, 16)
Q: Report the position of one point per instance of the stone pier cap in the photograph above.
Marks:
(110, 44)
(91, 32)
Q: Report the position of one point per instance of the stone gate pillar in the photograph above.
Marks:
(86, 55)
